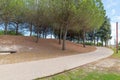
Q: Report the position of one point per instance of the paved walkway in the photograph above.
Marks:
(35, 69)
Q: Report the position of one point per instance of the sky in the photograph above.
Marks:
(113, 12)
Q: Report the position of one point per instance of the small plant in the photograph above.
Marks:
(10, 33)
(119, 46)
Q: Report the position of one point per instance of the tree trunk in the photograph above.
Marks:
(102, 42)
(5, 30)
(37, 37)
(31, 29)
(60, 35)
(64, 39)
(51, 32)
(78, 38)
(105, 43)
(94, 40)
(17, 28)
(38, 32)
(83, 42)
(45, 34)
(84, 38)
(97, 42)
(94, 37)
(91, 42)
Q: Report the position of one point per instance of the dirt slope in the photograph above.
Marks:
(28, 50)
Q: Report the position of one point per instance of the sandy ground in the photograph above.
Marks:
(28, 50)
(109, 64)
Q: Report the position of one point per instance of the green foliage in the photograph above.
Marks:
(1, 32)
(10, 33)
(104, 33)
(89, 43)
(96, 15)
(13, 33)
(119, 46)
(76, 15)
(100, 44)
(101, 76)
(116, 55)
(83, 75)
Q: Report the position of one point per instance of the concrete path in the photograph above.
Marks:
(35, 69)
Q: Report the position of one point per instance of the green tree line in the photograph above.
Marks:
(63, 17)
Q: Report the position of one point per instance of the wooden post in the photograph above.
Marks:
(116, 37)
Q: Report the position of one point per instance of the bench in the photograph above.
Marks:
(8, 52)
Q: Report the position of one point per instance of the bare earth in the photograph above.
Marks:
(108, 64)
(28, 50)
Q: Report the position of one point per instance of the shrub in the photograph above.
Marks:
(10, 33)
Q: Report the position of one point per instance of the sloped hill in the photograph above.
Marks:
(28, 50)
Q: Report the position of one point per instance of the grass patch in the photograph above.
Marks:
(116, 55)
(84, 75)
